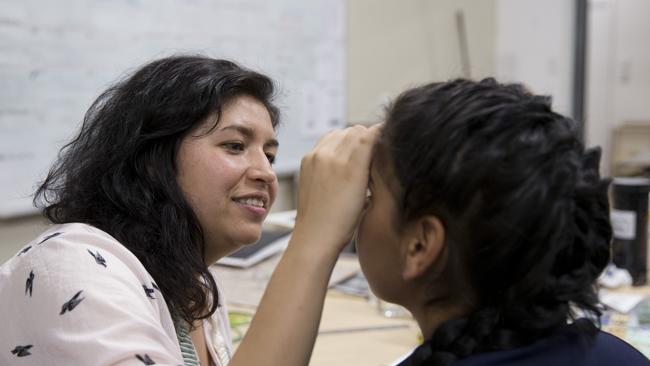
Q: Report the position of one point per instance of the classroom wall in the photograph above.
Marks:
(395, 44)
(535, 42)
(618, 72)
(392, 44)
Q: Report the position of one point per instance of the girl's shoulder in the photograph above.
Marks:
(614, 349)
(565, 348)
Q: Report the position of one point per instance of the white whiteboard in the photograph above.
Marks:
(56, 57)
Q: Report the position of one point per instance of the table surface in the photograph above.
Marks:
(400, 336)
(353, 332)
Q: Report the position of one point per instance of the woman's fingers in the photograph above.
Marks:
(333, 181)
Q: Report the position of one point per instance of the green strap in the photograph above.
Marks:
(185, 342)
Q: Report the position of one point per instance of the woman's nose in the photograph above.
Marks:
(261, 169)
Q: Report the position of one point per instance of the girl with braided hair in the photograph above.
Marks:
(488, 220)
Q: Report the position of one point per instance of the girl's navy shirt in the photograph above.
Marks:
(565, 348)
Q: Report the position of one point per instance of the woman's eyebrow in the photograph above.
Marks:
(249, 133)
(246, 131)
(272, 143)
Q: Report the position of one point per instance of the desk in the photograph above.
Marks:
(399, 336)
(369, 347)
(352, 332)
(337, 345)
(349, 333)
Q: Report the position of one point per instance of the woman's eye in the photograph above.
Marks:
(271, 158)
(234, 146)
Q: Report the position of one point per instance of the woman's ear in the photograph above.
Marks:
(423, 243)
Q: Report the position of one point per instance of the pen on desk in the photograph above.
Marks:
(363, 329)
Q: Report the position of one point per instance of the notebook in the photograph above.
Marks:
(271, 242)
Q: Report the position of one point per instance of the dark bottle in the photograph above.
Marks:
(630, 224)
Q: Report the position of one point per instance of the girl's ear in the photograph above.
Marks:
(423, 243)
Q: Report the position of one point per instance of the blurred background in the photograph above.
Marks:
(337, 62)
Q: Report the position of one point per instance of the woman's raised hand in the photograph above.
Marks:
(331, 197)
(333, 182)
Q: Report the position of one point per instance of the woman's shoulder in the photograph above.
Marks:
(71, 255)
(62, 242)
(75, 281)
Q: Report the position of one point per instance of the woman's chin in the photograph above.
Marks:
(251, 239)
(225, 249)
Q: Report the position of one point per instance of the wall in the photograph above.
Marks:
(58, 56)
(392, 44)
(618, 71)
(395, 44)
(535, 45)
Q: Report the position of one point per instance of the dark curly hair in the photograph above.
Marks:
(119, 175)
(525, 211)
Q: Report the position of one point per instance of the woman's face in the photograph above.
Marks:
(226, 175)
(378, 241)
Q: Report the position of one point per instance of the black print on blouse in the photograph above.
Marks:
(70, 305)
(29, 283)
(48, 238)
(148, 291)
(25, 250)
(145, 359)
(22, 351)
(98, 258)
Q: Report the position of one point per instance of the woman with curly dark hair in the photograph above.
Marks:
(488, 220)
(172, 170)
